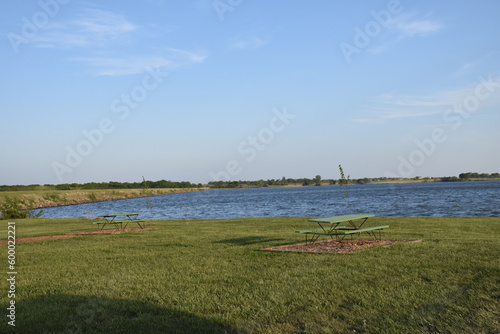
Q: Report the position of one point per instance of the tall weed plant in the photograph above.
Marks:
(344, 182)
(149, 202)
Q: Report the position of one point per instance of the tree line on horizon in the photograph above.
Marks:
(104, 185)
(316, 181)
(470, 176)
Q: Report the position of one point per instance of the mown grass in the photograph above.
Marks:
(209, 277)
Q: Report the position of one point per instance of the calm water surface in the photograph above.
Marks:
(436, 199)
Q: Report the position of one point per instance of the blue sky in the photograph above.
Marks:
(207, 90)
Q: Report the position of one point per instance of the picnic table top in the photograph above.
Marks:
(122, 214)
(339, 219)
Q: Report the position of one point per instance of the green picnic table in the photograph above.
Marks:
(330, 227)
(119, 220)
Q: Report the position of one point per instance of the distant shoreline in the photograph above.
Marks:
(368, 183)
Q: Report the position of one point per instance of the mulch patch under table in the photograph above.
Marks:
(344, 246)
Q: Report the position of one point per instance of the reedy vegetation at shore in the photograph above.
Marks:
(19, 204)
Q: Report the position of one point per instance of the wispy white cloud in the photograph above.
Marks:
(93, 28)
(436, 100)
(105, 23)
(411, 28)
(117, 66)
(392, 106)
(103, 36)
(485, 63)
(183, 56)
(111, 66)
(249, 43)
(466, 68)
(405, 26)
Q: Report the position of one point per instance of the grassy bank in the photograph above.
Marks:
(49, 198)
(209, 277)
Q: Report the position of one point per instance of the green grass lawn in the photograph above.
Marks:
(209, 277)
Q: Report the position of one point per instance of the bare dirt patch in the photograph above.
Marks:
(79, 234)
(344, 246)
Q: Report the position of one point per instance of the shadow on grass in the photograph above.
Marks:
(77, 314)
(247, 240)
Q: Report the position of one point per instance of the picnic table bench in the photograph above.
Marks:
(122, 223)
(330, 226)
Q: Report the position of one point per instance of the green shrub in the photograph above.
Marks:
(52, 197)
(12, 208)
(92, 197)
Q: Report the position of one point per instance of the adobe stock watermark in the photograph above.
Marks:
(454, 117)
(223, 6)
(364, 36)
(122, 107)
(249, 148)
(11, 273)
(30, 27)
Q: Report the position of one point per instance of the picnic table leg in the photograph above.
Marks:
(112, 219)
(357, 227)
(313, 239)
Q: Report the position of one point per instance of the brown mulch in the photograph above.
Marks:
(73, 235)
(344, 246)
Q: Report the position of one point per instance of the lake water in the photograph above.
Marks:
(433, 199)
